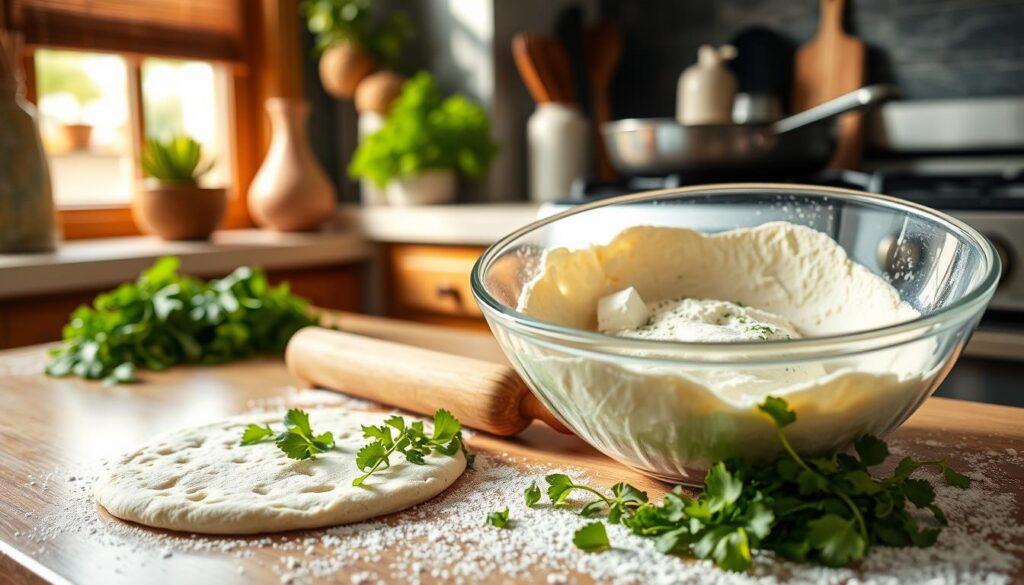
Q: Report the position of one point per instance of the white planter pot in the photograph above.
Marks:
(370, 194)
(427, 188)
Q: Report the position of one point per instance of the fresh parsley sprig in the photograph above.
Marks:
(825, 510)
(498, 519)
(297, 440)
(411, 441)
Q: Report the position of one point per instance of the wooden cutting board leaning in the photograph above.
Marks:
(829, 65)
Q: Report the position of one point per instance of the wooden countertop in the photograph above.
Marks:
(49, 427)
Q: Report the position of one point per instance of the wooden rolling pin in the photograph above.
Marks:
(483, 395)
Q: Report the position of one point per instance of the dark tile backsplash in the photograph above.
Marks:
(930, 48)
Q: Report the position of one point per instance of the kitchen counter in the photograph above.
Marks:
(53, 429)
(90, 264)
(467, 224)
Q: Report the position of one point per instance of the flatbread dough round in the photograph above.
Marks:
(201, 480)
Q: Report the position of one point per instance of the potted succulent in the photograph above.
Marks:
(64, 76)
(351, 42)
(171, 204)
(424, 140)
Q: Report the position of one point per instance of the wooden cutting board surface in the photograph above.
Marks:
(51, 427)
(829, 65)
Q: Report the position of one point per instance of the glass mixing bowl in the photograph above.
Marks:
(640, 402)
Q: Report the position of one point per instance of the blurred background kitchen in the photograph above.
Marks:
(367, 151)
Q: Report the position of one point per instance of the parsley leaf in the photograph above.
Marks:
(778, 410)
(297, 440)
(836, 539)
(498, 519)
(871, 449)
(591, 538)
(255, 433)
(532, 495)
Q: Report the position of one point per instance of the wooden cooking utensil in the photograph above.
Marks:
(528, 70)
(552, 63)
(829, 65)
(481, 394)
(603, 49)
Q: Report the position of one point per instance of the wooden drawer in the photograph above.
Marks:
(432, 281)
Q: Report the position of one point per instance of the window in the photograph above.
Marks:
(106, 74)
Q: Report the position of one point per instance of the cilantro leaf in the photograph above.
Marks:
(446, 426)
(254, 433)
(778, 410)
(591, 538)
(498, 519)
(954, 478)
(559, 487)
(371, 455)
(532, 494)
(919, 492)
(296, 446)
(721, 487)
(871, 449)
(298, 421)
(836, 540)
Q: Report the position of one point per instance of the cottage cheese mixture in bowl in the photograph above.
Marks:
(767, 284)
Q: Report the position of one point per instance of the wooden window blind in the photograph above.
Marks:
(197, 29)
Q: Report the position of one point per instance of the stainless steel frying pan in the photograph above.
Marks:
(800, 143)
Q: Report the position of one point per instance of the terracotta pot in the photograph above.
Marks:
(77, 136)
(430, 187)
(290, 192)
(178, 211)
(342, 67)
(377, 92)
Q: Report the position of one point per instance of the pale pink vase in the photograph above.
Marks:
(290, 192)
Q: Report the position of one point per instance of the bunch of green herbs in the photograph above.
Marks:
(823, 510)
(165, 318)
(426, 132)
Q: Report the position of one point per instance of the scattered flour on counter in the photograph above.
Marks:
(446, 540)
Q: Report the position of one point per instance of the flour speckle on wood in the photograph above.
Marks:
(447, 539)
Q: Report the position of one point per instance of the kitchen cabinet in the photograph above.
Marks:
(430, 284)
(40, 318)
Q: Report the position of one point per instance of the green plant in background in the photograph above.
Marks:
(62, 72)
(423, 132)
(335, 21)
(165, 318)
(176, 160)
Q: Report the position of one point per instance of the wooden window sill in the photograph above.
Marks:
(103, 262)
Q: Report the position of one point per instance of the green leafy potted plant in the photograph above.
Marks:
(171, 204)
(351, 42)
(425, 139)
(63, 75)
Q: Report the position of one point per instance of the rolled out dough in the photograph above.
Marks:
(201, 480)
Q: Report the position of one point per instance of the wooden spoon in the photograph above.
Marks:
(603, 49)
(528, 69)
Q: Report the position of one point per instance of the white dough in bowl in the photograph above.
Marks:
(202, 480)
(671, 417)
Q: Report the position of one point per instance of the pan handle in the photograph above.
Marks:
(858, 99)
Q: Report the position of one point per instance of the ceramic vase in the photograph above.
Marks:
(27, 218)
(178, 211)
(290, 192)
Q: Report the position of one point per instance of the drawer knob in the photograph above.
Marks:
(449, 291)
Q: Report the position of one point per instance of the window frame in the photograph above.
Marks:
(252, 80)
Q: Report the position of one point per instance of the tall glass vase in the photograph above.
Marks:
(27, 220)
